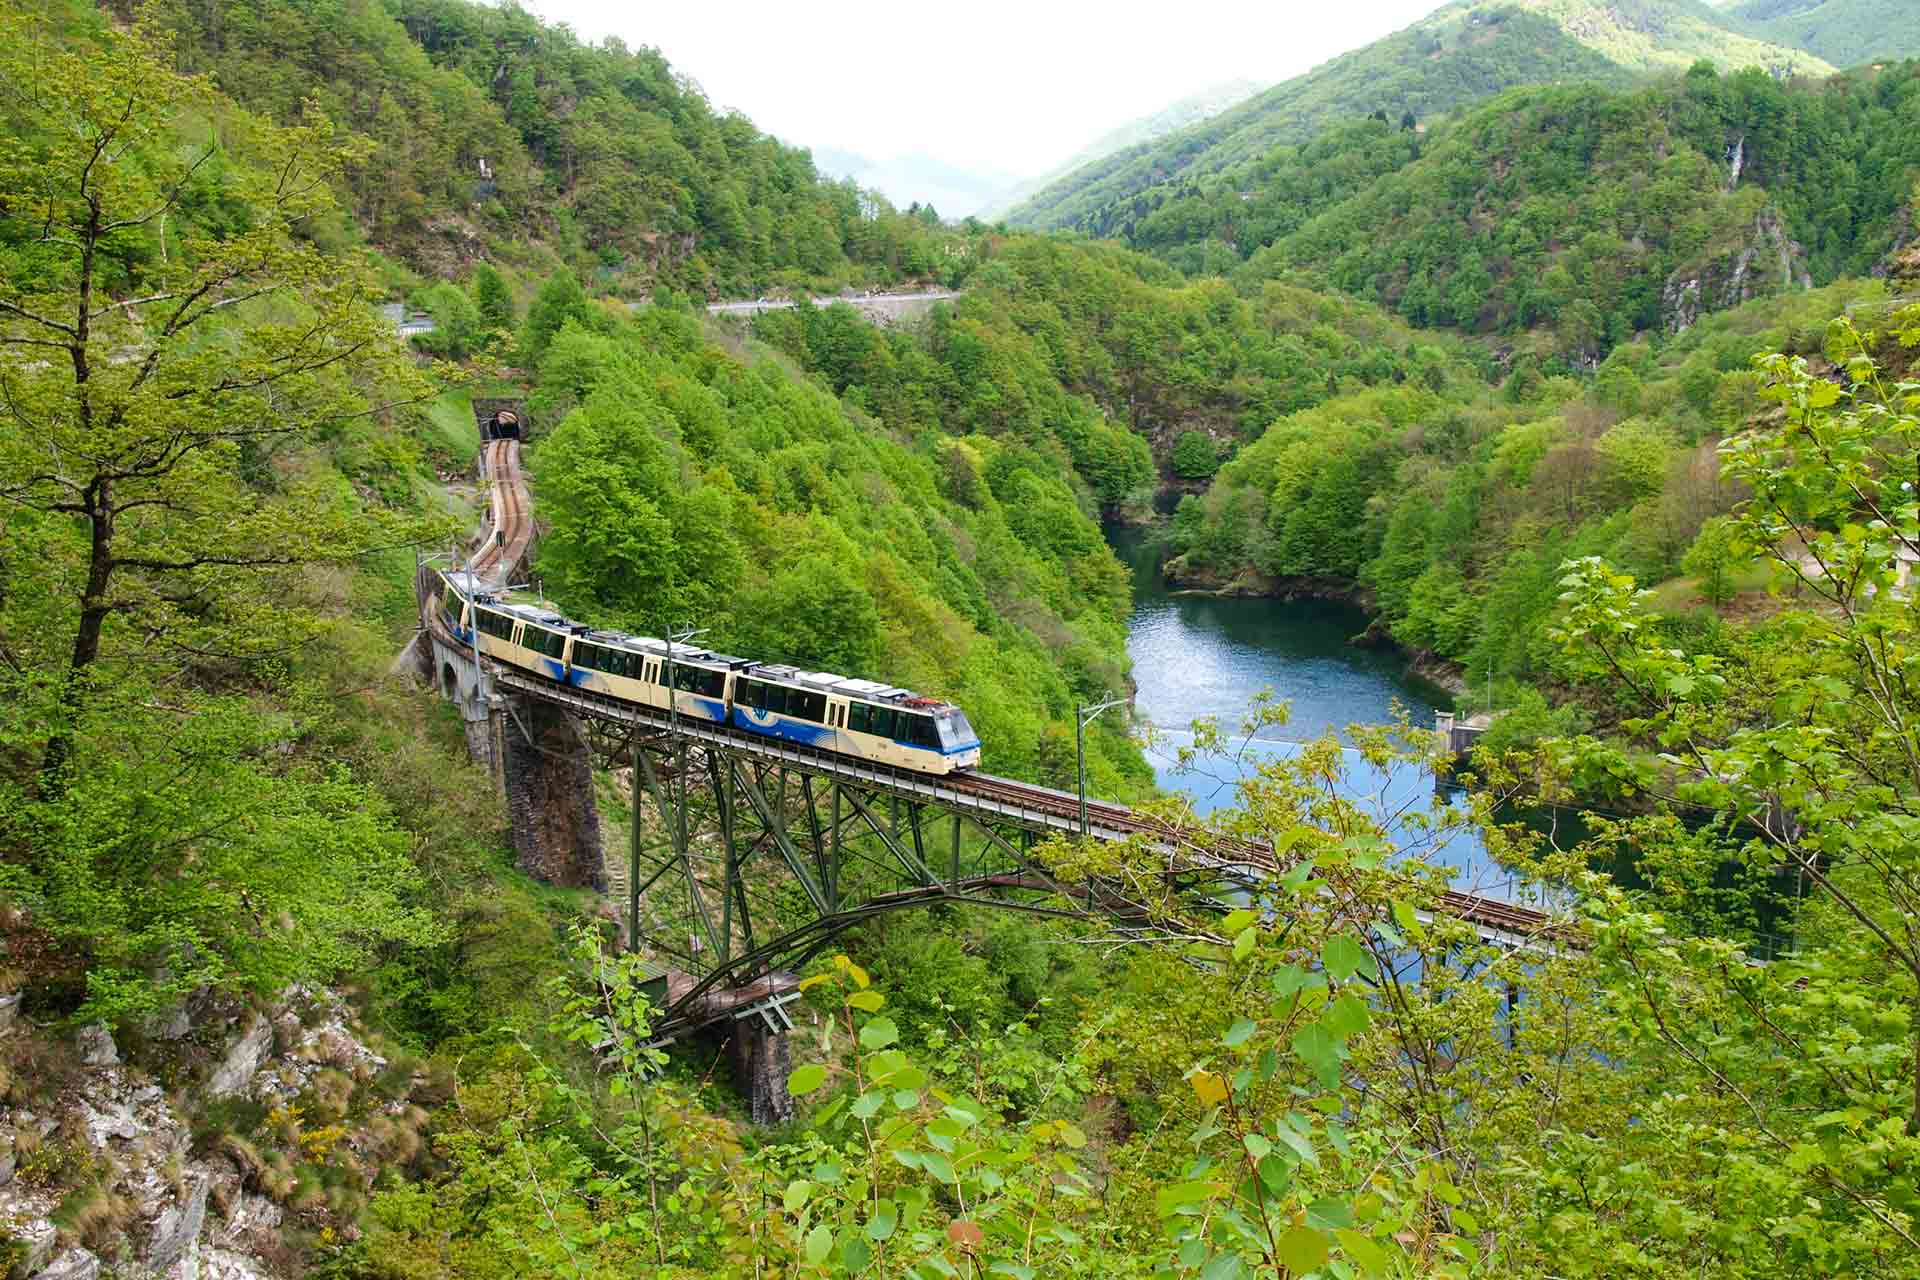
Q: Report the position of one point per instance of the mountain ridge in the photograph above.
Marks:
(1462, 53)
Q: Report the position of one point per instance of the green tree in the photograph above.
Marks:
(1717, 558)
(1195, 457)
(158, 364)
(1830, 512)
(560, 299)
(456, 322)
(493, 298)
(816, 614)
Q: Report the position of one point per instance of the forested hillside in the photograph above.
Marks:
(1844, 32)
(1190, 110)
(1584, 214)
(1455, 512)
(276, 999)
(496, 135)
(1467, 51)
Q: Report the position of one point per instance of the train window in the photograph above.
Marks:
(955, 731)
(699, 680)
(882, 722)
(494, 624)
(859, 717)
(807, 706)
(550, 643)
(918, 730)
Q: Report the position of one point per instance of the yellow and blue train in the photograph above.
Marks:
(861, 718)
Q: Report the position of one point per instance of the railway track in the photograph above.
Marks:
(1491, 913)
(511, 529)
(510, 523)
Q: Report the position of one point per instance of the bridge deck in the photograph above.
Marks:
(1023, 804)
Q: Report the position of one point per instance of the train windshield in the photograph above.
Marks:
(955, 732)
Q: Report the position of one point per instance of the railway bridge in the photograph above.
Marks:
(745, 856)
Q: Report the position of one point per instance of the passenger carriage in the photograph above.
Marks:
(862, 718)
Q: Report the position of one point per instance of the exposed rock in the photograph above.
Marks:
(225, 1264)
(243, 1059)
(74, 1264)
(111, 1117)
(96, 1045)
(178, 1227)
(251, 1223)
(9, 1009)
(172, 1025)
(36, 1236)
(1764, 262)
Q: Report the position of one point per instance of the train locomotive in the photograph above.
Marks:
(864, 719)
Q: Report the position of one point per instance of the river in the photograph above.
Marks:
(1199, 655)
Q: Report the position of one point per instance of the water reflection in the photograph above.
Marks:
(1196, 656)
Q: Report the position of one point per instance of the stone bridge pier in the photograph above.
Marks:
(540, 764)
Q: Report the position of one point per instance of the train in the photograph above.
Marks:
(864, 719)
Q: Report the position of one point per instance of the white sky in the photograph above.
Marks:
(995, 86)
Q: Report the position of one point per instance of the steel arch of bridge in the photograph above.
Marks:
(725, 842)
(738, 817)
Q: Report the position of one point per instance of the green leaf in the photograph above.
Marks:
(937, 1165)
(878, 1034)
(1330, 1214)
(819, 1244)
(1346, 1016)
(1344, 957)
(1363, 1251)
(885, 1218)
(855, 1254)
(1224, 1266)
(1169, 1198)
(869, 1104)
(1257, 1146)
(1320, 1049)
(1071, 1136)
(1289, 978)
(806, 1079)
(795, 1197)
(866, 1001)
(1239, 1033)
(906, 1099)
(1013, 1269)
(1275, 1174)
(1238, 920)
(1244, 941)
(1302, 1249)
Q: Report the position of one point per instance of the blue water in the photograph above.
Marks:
(1203, 656)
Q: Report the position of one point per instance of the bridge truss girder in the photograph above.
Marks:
(740, 866)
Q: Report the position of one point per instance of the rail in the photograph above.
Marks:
(1024, 804)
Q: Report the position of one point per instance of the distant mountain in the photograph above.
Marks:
(916, 179)
(1190, 110)
(1464, 52)
(1844, 32)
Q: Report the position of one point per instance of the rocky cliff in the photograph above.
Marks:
(210, 1146)
(1763, 260)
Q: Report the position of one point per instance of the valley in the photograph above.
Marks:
(1547, 364)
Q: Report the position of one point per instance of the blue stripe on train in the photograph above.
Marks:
(779, 726)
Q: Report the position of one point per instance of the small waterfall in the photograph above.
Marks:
(1736, 161)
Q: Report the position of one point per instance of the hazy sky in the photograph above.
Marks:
(1007, 86)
